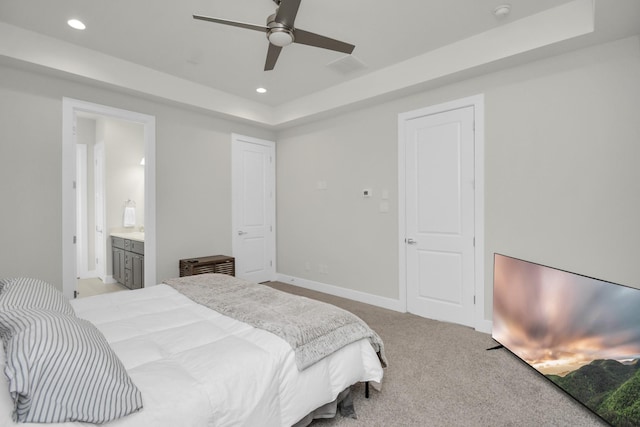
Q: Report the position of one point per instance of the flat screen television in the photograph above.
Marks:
(581, 333)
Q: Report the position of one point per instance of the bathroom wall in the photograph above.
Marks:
(86, 135)
(124, 176)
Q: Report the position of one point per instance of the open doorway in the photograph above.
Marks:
(78, 227)
(109, 183)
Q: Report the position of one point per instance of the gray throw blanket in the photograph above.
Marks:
(313, 329)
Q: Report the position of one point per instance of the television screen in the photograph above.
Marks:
(581, 333)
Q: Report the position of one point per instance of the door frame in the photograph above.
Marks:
(70, 108)
(99, 157)
(236, 140)
(477, 102)
(81, 211)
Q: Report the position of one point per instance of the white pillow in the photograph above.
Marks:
(24, 292)
(60, 368)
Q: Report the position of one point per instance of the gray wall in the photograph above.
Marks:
(193, 187)
(562, 180)
(562, 145)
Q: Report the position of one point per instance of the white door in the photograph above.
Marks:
(98, 155)
(439, 243)
(253, 193)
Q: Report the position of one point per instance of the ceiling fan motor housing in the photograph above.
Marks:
(278, 34)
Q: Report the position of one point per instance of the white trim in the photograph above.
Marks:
(108, 279)
(378, 301)
(484, 325)
(236, 140)
(476, 101)
(81, 211)
(100, 209)
(89, 275)
(70, 107)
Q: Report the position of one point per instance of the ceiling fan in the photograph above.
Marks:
(281, 32)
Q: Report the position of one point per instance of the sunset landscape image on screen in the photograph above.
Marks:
(581, 333)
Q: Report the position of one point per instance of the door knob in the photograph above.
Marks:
(241, 233)
(411, 241)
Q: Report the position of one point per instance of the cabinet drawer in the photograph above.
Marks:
(117, 242)
(137, 247)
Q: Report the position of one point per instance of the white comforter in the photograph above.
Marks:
(196, 367)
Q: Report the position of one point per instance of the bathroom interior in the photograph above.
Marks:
(110, 202)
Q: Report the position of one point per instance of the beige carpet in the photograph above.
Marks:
(441, 374)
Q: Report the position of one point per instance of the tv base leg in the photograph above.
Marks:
(497, 347)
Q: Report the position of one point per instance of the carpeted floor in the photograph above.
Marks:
(441, 374)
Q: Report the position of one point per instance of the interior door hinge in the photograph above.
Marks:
(74, 185)
(74, 239)
(474, 300)
(75, 294)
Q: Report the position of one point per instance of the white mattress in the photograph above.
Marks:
(196, 367)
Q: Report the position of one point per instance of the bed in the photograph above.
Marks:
(193, 366)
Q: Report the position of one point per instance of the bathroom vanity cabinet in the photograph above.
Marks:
(128, 261)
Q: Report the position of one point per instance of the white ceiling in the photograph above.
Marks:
(201, 62)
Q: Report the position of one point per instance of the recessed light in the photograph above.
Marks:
(502, 10)
(77, 24)
(261, 90)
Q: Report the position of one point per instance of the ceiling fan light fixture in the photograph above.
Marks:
(280, 37)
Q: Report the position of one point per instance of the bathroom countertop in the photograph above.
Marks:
(131, 235)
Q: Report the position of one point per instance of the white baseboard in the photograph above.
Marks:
(378, 301)
(88, 274)
(484, 325)
(109, 279)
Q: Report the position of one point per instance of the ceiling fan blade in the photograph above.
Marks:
(232, 23)
(272, 57)
(287, 12)
(316, 40)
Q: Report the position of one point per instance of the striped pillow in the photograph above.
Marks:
(23, 292)
(60, 368)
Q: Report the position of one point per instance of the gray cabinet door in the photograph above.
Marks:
(118, 261)
(137, 271)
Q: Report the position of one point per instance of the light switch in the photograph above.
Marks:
(366, 192)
